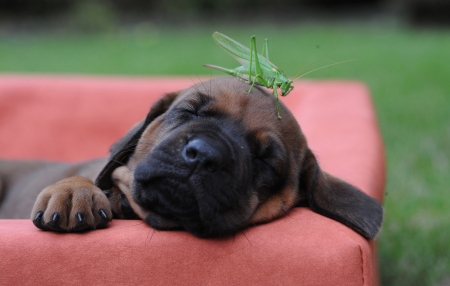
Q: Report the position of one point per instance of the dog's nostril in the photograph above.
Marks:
(190, 153)
(202, 154)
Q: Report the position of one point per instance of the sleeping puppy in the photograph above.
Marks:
(211, 159)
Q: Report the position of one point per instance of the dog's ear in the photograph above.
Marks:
(135, 132)
(339, 200)
(121, 151)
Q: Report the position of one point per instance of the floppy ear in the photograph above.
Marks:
(339, 200)
(121, 151)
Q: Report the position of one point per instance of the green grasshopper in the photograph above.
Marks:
(255, 69)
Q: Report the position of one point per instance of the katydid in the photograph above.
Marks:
(255, 69)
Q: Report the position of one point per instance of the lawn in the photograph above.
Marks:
(408, 72)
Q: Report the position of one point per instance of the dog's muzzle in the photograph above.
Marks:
(199, 183)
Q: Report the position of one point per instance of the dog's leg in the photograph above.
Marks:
(122, 178)
(70, 205)
(23, 180)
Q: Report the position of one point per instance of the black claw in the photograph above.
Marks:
(102, 213)
(104, 221)
(81, 224)
(37, 221)
(55, 217)
(53, 224)
(80, 217)
(38, 216)
(107, 194)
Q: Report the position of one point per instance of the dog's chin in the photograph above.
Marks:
(195, 227)
(172, 205)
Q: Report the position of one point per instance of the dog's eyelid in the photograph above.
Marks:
(260, 152)
(271, 151)
(266, 151)
(192, 106)
(203, 98)
(189, 108)
(200, 110)
(264, 144)
(186, 107)
(199, 100)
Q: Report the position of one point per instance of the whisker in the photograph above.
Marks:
(243, 233)
(203, 84)
(193, 82)
(152, 230)
(210, 84)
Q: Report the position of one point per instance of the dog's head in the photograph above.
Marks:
(213, 159)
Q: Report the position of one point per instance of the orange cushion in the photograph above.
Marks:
(79, 117)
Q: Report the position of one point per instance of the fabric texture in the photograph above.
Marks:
(73, 118)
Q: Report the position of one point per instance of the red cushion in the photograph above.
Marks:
(79, 117)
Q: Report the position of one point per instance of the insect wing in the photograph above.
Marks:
(240, 52)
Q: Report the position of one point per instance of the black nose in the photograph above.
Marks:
(203, 155)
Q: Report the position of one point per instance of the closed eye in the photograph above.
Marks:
(195, 104)
(189, 109)
(270, 152)
(198, 106)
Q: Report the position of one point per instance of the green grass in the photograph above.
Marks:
(408, 72)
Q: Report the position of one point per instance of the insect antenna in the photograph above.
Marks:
(310, 64)
(322, 67)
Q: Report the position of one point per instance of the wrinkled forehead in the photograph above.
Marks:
(230, 96)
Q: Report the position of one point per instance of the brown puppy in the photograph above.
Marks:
(210, 159)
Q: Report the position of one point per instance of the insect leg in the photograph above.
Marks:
(258, 70)
(252, 42)
(275, 93)
(265, 50)
(259, 80)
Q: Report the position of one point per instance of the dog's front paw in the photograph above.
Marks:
(73, 204)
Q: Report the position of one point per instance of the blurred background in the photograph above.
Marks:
(403, 52)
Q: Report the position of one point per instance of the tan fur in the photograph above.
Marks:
(275, 207)
(123, 178)
(69, 197)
